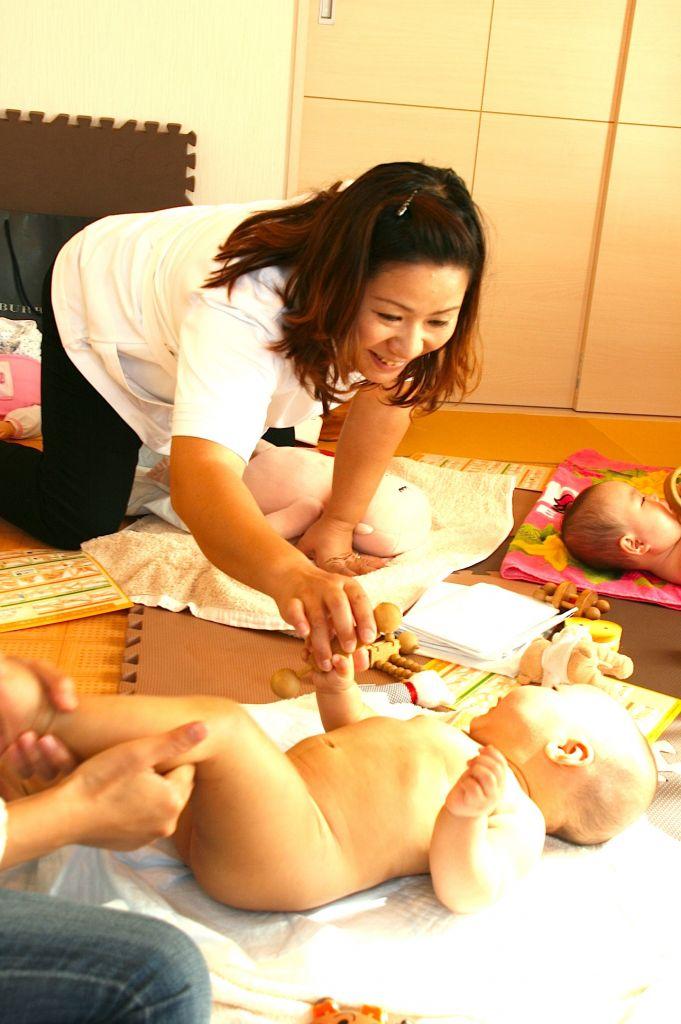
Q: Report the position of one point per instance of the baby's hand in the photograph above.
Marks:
(342, 675)
(478, 790)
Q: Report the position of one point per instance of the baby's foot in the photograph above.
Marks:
(24, 705)
(298, 517)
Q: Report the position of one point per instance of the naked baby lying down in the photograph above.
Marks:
(373, 798)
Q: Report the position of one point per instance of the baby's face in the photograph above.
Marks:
(529, 717)
(559, 741)
(648, 518)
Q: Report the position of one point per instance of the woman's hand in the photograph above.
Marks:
(328, 543)
(120, 800)
(29, 691)
(322, 606)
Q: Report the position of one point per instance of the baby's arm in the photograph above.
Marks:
(479, 848)
(339, 698)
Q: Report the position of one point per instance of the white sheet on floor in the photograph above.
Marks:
(590, 936)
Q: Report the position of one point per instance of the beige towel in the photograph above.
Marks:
(161, 566)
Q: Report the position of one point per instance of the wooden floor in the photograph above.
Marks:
(91, 649)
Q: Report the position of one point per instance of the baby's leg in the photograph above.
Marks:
(257, 838)
(296, 519)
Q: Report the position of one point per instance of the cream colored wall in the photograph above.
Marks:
(220, 68)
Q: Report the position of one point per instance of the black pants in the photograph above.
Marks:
(78, 486)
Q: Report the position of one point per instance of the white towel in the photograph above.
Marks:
(161, 566)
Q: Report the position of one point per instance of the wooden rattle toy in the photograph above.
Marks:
(672, 491)
(567, 595)
(388, 653)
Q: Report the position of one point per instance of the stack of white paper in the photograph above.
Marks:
(478, 624)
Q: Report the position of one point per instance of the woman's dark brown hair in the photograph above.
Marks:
(335, 242)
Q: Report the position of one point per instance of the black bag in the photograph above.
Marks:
(29, 243)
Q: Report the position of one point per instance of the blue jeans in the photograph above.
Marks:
(64, 963)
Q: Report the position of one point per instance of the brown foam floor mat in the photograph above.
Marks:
(173, 653)
(90, 169)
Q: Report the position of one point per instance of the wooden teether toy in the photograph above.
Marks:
(567, 595)
(388, 653)
(672, 491)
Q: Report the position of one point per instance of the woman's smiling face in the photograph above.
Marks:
(408, 310)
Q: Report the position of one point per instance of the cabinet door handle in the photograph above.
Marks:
(327, 12)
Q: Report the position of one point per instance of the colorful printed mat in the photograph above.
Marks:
(537, 552)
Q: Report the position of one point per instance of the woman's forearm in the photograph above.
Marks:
(38, 825)
(209, 495)
(370, 435)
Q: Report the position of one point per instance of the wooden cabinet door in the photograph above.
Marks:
(341, 139)
(652, 85)
(426, 53)
(540, 203)
(632, 356)
(554, 59)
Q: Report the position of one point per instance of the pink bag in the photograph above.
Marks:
(19, 382)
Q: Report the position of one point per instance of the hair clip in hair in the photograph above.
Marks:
(406, 204)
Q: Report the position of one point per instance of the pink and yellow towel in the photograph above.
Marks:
(537, 551)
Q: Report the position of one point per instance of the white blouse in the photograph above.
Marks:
(171, 356)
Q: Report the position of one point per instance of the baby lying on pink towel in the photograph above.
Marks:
(601, 523)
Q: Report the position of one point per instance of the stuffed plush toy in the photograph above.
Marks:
(292, 485)
(572, 656)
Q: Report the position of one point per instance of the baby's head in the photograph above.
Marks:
(579, 754)
(612, 525)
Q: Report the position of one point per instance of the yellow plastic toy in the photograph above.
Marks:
(602, 630)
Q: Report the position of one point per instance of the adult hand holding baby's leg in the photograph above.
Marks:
(116, 799)
(120, 800)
